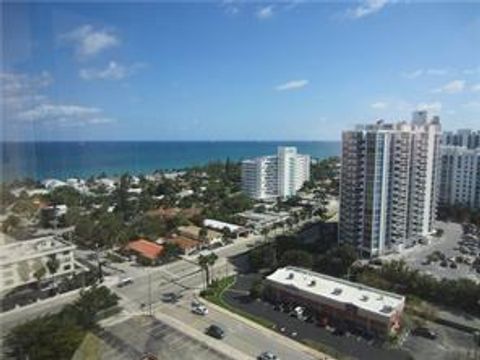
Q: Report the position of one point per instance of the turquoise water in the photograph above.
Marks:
(40, 160)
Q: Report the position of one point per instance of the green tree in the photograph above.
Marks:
(257, 289)
(23, 270)
(202, 234)
(39, 273)
(11, 223)
(52, 265)
(297, 258)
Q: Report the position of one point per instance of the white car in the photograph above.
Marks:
(200, 310)
(267, 355)
(125, 281)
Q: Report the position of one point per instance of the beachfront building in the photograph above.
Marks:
(460, 176)
(338, 301)
(389, 184)
(26, 262)
(281, 175)
(464, 137)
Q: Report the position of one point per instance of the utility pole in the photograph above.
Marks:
(149, 293)
(100, 272)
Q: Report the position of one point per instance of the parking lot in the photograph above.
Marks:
(350, 346)
(451, 344)
(446, 256)
(137, 336)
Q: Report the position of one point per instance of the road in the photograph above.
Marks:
(183, 277)
(135, 293)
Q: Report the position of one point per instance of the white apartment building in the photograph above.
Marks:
(463, 137)
(388, 184)
(19, 261)
(460, 176)
(280, 175)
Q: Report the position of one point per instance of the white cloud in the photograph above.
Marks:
(437, 72)
(89, 41)
(113, 71)
(413, 74)
(433, 107)
(292, 85)
(24, 101)
(472, 71)
(452, 87)
(21, 90)
(476, 87)
(367, 7)
(419, 72)
(472, 105)
(231, 7)
(379, 105)
(64, 114)
(265, 12)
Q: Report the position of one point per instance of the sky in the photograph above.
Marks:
(234, 70)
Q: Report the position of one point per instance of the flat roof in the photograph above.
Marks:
(20, 250)
(219, 225)
(373, 300)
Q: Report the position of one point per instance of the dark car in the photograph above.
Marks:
(425, 332)
(216, 332)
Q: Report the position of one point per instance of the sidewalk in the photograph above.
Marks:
(271, 334)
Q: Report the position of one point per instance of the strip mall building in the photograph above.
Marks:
(357, 305)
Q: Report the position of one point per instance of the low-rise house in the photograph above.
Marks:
(267, 220)
(184, 193)
(145, 250)
(185, 244)
(194, 232)
(235, 230)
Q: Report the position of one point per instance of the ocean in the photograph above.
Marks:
(61, 160)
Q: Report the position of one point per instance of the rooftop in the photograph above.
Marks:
(367, 298)
(19, 250)
(183, 242)
(146, 248)
(194, 232)
(220, 225)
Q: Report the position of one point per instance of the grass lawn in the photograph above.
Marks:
(215, 292)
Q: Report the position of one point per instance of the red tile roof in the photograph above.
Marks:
(146, 248)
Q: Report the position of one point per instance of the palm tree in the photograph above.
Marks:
(52, 265)
(205, 262)
(265, 233)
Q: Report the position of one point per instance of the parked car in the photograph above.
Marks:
(216, 332)
(267, 355)
(425, 332)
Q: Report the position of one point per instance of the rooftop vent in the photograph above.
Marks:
(312, 283)
(337, 291)
(290, 276)
(364, 298)
(386, 309)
